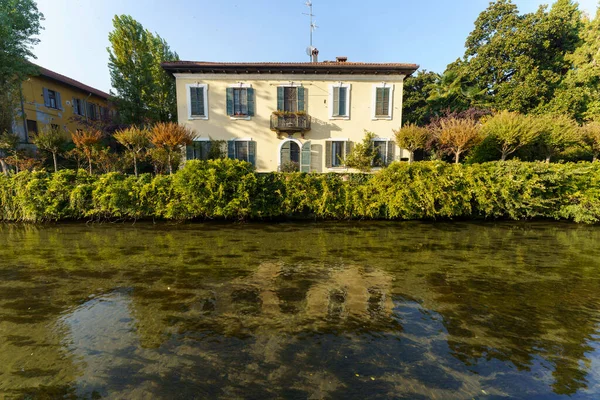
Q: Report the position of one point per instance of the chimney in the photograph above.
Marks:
(315, 55)
(341, 59)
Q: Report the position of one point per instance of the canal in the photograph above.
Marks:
(319, 310)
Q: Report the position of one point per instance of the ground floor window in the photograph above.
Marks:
(198, 150)
(384, 152)
(336, 152)
(242, 149)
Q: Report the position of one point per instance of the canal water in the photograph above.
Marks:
(322, 310)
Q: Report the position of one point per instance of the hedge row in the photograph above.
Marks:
(229, 189)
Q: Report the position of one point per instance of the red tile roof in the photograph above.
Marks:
(325, 67)
(71, 82)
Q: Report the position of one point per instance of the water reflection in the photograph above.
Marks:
(309, 311)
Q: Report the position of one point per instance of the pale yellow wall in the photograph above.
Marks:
(35, 109)
(219, 126)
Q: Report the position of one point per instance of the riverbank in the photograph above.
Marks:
(231, 190)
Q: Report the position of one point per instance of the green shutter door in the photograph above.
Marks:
(229, 97)
(328, 163)
(301, 103)
(336, 101)
(252, 153)
(250, 92)
(231, 149)
(305, 157)
(280, 98)
(391, 152)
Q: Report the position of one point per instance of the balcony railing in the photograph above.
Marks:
(290, 122)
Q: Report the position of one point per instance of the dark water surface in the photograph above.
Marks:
(330, 310)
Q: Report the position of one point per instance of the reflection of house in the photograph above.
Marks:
(307, 115)
(51, 99)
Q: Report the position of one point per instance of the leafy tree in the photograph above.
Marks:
(53, 141)
(19, 24)
(135, 140)
(362, 155)
(510, 131)
(520, 59)
(171, 138)
(415, 107)
(8, 145)
(144, 91)
(86, 142)
(557, 133)
(412, 138)
(458, 136)
(591, 137)
(451, 93)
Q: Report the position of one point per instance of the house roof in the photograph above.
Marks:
(71, 82)
(325, 67)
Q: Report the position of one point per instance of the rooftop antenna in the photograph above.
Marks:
(313, 26)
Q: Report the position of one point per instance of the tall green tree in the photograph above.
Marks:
(415, 107)
(520, 59)
(19, 24)
(144, 92)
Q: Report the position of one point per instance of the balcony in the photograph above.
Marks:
(282, 121)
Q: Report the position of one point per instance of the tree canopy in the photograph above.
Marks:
(145, 93)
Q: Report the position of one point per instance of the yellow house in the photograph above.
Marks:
(304, 116)
(51, 99)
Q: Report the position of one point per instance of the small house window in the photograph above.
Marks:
(240, 101)
(78, 107)
(197, 108)
(242, 149)
(384, 152)
(291, 99)
(52, 99)
(198, 150)
(92, 111)
(383, 101)
(340, 101)
(336, 152)
(32, 128)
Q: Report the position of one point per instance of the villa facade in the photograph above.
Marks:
(300, 115)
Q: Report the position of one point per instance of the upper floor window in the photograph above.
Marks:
(197, 101)
(78, 107)
(291, 98)
(92, 111)
(382, 99)
(339, 98)
(52, 99)
(240, 101)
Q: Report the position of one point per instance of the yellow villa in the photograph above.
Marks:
(51, 99)
(307, 115)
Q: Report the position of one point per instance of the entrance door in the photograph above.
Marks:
(289, 155)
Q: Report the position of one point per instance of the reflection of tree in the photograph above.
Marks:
(250, 301)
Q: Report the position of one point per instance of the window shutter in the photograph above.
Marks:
(386, 101)
(336, 101)
(58, 101)
(305, 157)
(75, 107)
(229, 101)
(250, 92)
(231, 149)
(205, 146)
(391, 152)
(280, 98)
(284, 154)
(379, 101)
(348, 148)
(342, 101)
(252, 153)
(301, 94)
(328, 163)
(46, 97)
(193, 101)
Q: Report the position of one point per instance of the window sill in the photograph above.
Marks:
(336, 169)
(339, 118)
(388, 118)
(192, 118)
(240, 117)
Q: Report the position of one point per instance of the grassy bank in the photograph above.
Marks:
(229, 189)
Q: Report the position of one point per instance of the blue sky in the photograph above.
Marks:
(430, 33)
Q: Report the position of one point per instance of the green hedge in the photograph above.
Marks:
(229, 189)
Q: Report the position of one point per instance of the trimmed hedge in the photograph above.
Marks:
(230, 189)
